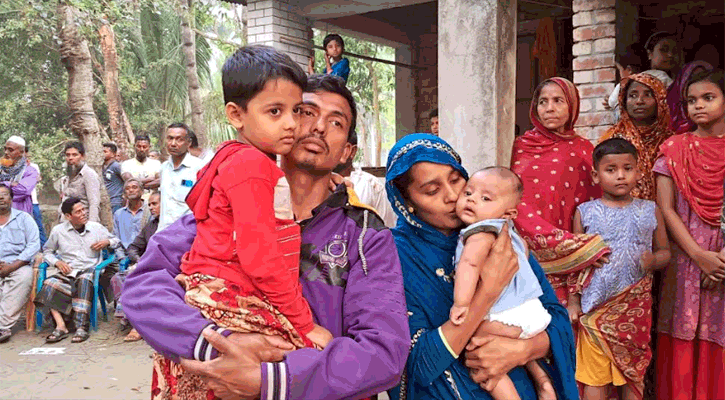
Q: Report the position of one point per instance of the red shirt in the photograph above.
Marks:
(239, 237)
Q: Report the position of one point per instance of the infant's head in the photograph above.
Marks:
(490, 193)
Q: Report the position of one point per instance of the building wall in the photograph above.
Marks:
(426, 80)
(275, 23)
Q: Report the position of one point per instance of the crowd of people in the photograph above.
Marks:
(264, 269)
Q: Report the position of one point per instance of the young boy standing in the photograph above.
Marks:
(613, 343)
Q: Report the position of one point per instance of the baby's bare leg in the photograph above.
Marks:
(498, 329)
(505, 390)
(544, 387)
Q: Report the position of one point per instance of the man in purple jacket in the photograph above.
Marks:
(349, 270)
(17, 174)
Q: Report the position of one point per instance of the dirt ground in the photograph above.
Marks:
(103, 367)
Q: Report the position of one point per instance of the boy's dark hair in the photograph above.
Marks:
(75, 145)
(189, 132)
(657, 37)
(245, 73)
(10, 191)
(715, 76)
(141, 138)
(67, 206)
(111, 146)
(631, 57)
(333, 36)
(335, 84)
(613, 146)
(433, 113)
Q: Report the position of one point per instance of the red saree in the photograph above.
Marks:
(556, 171)
(621, 328)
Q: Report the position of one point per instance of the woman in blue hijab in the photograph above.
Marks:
(423, 180)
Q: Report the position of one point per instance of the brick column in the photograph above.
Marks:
(275, 23)
(593, 65)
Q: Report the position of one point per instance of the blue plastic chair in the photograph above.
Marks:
(97, 293)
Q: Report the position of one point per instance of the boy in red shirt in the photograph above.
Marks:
(242, 271)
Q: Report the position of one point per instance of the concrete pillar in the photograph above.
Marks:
(593, 65)
(405, 104)
(477, 79)
(278, 24)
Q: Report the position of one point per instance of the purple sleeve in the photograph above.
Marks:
(25, 185)
(371, 356)
(661, 167)
(154, 302)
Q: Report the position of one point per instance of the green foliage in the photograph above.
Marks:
(152, 81)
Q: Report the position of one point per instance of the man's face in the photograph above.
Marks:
(132, 190)
(6, 202)
(434, 126)
(325, 123)
(155, 205)
(13, 152)
(108, 154)
(177, 141)
(73, 157)
(142, 149)
(79, 215)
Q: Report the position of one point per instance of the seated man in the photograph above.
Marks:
(129, 220)
(134, 251)
(72, 252)
(19, 242)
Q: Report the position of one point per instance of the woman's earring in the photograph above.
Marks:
(411, 210)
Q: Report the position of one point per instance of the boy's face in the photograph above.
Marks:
(487, 196)
(434, 127)
(333, 49)
(617, 174)
(272, 117)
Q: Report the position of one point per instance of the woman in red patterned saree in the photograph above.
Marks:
(555, 166)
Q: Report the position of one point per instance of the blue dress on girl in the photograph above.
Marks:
(340, 68)
(426, 256)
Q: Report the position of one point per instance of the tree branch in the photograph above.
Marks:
(216, 38)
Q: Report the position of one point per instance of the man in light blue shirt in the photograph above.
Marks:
(19, 242)
(178, 174)
(129, 220)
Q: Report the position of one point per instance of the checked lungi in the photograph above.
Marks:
(68, 294)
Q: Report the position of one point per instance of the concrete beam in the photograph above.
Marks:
(477, 79)
(337, 8)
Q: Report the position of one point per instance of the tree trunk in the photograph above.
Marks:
(188, 38)
(121, 131)
(76, 57)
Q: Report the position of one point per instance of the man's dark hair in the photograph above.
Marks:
(2, 185)
(67, 206)
(111, 146)
(245, 73)
(613, 146)
(433, 113)
(75, 145)
(141, 138)
(715, 76)
(333, 36)
(335, 84)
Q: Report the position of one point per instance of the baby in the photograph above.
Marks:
(488, 202)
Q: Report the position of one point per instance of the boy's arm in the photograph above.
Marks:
(370, 356)
(661, 254)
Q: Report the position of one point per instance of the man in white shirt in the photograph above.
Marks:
(204, 154)
(178, 174)
(142, 167)
(369, 188)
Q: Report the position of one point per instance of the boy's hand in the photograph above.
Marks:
(711, 264)
(574, 308)
(706, 282)
(646, 262)
(721, 255)
(320, 337)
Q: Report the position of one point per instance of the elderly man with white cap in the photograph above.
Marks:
(16, 173)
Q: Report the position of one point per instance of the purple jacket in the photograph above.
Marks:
(357, 294)
(22, 191)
